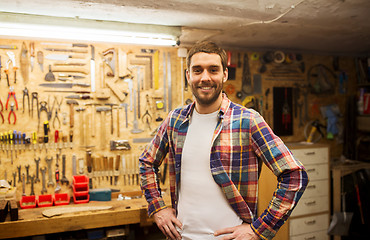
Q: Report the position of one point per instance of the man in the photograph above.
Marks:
(214, 147)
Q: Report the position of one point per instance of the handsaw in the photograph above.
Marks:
(25, 64)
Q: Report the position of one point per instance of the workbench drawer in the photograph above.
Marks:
(316, 189)
(317, 171)
(321, 235)
(311, 205)
(305, 225)
(311, 155)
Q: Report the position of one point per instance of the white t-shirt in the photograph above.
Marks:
(202, 206)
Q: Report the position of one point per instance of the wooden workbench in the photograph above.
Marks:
(31, 221)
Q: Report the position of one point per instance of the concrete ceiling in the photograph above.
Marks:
(337, 27)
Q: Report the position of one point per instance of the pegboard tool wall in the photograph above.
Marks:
(117, 71)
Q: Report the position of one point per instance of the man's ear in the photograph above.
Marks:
(226, 74)
(187, 75)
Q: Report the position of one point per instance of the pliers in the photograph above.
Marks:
(2, 108)
(12, 60)
(25, 94)
(56, 118)
(11, 93)
(12, 112)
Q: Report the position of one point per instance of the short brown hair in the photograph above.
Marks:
(207, 47)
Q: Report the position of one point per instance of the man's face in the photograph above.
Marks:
(206, 77)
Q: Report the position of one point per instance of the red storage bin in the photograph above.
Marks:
(61, 199)
(28, 202)
(80, 188)
(45, 200)
(80, 180)
(81, 198)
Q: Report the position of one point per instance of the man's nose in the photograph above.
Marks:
(206, 76)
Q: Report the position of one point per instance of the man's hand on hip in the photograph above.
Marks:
(166, 221)
(241, 232)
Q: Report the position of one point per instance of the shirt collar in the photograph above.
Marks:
(224, 106)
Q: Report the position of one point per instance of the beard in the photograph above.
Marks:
(206, 99)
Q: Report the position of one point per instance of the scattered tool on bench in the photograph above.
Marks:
(65, 210)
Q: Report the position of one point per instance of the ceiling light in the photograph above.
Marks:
(56, 28)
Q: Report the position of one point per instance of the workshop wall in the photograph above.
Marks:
(105, 146)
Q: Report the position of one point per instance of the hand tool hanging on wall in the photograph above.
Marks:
(11, 47)
(102, 111)
(65, 50)
(62, 57)
(82, 132)
(64, 178)
(1, 110)
(25, 64)
(11, 59)
(125, 105)
(92, 68)
(109, 57)
(25, 94)
(135, 129)
(71, 112)
(111, 115)
(57, 188)
(40, 60)
(35, 97)
(49, 76)
(63, 85)
(32, 55)
(12, 113)
(11, 93)
(148, 71)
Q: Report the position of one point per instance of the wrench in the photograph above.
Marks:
(24, 185)
(28, 175)
(64, 179)
(43, 171)
(37, 161)
(32, 182)
(19, 173)
(49, 161)
(14, 177)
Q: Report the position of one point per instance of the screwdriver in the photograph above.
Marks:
(56, 139)
(15, 139)
(2, 141)
(46, 133)
(34, 140)
(10, 135)
(6, 143)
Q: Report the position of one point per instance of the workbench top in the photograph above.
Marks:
(32, 222)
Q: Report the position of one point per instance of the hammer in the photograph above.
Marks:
(71, 102)
(82, 129)
(111, 115)
(102, 110)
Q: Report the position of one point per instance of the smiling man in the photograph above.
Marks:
(215, 148)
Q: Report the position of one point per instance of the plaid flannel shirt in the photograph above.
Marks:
(240, 139)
